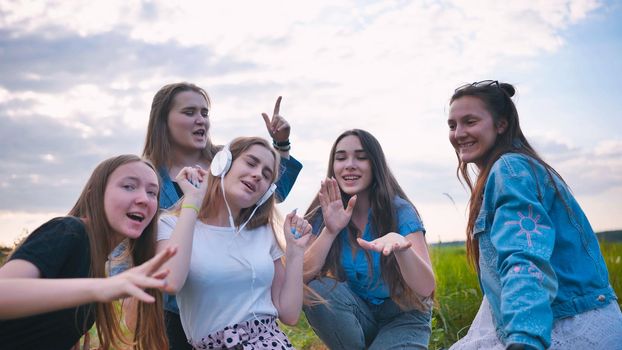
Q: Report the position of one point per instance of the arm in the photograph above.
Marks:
(524, 237)
(183, 231)
(25, 294)
(279, 130)
(287, 294)
(336, 217)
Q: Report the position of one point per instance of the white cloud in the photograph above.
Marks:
(385, 66)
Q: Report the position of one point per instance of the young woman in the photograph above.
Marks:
(119, 202)
(228, 275)
(178, 137)
(543, 277)
(369, 261)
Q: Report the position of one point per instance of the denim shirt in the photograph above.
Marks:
(371, 287)
(539, 257)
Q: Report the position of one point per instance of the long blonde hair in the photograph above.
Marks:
(150, 332)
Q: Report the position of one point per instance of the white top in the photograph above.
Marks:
(230, 276)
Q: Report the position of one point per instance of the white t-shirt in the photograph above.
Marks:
(230, 276)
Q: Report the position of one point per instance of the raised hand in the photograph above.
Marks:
(193, 182)
(277, 126)
(131, 283)
(336, 217)
(387, 244)
(297, 231)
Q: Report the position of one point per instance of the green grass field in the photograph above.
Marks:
(457, 297)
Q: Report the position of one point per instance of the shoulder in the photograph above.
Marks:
(60, 227)
(516, 165)
(408, 219)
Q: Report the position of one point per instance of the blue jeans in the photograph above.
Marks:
(348, 322)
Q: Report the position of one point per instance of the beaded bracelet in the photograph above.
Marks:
(283, 146)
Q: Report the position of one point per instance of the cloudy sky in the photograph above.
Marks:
(77, 79)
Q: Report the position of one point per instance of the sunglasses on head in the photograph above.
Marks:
(478, 84)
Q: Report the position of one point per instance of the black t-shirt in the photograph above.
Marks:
(59, 249)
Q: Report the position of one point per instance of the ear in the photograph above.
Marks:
(502, 125)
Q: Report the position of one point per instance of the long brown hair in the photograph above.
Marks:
(150, 331)
(497, 99)
(158, 140)
(382, 191)
(214, 196)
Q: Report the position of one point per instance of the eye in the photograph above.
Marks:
(128, 187)
(152, 194)
(452, 126)
(204, 113)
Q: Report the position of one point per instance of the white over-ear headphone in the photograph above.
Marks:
(221, 162)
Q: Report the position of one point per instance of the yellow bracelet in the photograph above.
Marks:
(191, 206)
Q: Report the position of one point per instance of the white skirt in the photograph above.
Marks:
(594, 330)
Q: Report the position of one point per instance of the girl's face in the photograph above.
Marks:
(188, 121)
(249, 177)
(131, 199)
(351, 166)
(472, 130)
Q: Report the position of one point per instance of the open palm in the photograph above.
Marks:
(336, 217)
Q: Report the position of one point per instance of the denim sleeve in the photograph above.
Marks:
(290, 168)
(408, 220)
(523, 236)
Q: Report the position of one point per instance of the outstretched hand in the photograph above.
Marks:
(297, 231)
(131, 283)
(387, 244)
(277, 126)
(336, 217)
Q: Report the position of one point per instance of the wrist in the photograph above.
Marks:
(283, 146)
(189, 206)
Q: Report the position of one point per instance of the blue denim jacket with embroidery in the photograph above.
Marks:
(539, 257)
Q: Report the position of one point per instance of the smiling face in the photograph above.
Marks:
(250, 175)
(352, 166)
(472, 130)
(188, 121)
(131, 199)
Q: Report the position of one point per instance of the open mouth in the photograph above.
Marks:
(351, 177)
(200, 132)
(138, 217)
(249, 185)
(466, 144)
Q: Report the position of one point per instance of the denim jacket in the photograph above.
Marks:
(539, 257)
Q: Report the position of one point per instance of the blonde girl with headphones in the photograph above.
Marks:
(228, 274)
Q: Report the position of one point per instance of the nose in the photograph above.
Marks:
(142, 197)
(459, 131)
(350, 163)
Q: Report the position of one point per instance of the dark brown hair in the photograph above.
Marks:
(497, 99)
(382, 191)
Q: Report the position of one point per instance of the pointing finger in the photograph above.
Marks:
(277, 106)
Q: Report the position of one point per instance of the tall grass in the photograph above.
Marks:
(457, 296)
